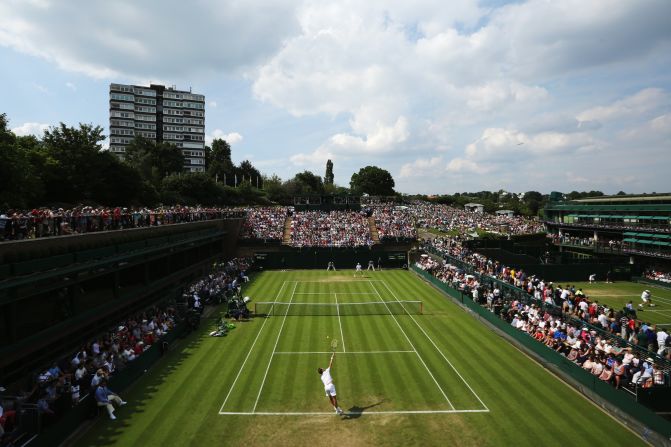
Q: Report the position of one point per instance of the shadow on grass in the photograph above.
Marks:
(355, 411)
(105, 432)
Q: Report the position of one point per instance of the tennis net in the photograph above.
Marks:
(342, 309)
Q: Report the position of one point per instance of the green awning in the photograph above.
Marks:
(662, 236)
(661, 217)
(629, 233)
(629, 240)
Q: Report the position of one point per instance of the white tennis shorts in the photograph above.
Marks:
(330, 390)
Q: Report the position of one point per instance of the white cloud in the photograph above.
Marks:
(36, 129)
(465, 166)
(537, 81)
(502, 144)
(231, 138)
(423, 167)
(71, 86)
(646, 100)
(131, 39)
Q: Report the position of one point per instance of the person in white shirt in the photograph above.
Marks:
(662, 335)
(358, 269)
(646, 297)
(329, 387)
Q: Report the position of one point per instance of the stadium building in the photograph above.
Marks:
(161, 114)
(638, 226)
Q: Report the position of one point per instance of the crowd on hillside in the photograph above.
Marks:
(563, 318)
(394, 223)
(446, 218)
(330, 229)
(65, 382)
(264, 223)
(48, 222)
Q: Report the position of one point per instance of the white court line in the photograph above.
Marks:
(339, 281)
(342, 335)
(664, 312)
(258, 396)
(437, 349)
(250, 352)
(328, 293)
(348, 352)
(348, 413)
(413, 347)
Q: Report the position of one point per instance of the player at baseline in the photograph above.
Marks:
(329, 387)
(330, 266)
(371, 265)
(358, 269)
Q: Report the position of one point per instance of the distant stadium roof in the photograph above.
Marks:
(627, 198)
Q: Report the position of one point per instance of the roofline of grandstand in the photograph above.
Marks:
(625, 198)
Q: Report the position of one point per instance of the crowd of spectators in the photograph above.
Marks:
(449, 219)
(658, 275)
(559, 316)
(52, 391)
(394, 223)
(223, 284)
(264, 223)
(65, 382)
(48, 222)
(330, 229)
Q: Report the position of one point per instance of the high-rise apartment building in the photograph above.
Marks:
(160, 114)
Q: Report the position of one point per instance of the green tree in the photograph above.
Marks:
(328, 176)
(19, 185)
(72, 163)
(274, 188)
(247, 172)
(308, 183)
(221, 166)
(373, 181)
(154, 161)
(190, 189)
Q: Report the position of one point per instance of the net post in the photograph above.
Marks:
(421, 307)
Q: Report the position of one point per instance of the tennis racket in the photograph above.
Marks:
(334, 345)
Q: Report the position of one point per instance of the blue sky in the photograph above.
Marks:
(447, 96)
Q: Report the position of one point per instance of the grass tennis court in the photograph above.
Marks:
(403, 377)
(618, 294)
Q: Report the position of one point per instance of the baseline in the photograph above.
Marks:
(348, 352)
(350, 413)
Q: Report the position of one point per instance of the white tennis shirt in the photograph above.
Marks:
(326, 377)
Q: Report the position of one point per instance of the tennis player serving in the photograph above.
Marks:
(329, 387)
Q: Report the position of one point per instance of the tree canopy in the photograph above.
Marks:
(373, 181)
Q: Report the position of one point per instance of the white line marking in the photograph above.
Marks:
(342, 336)
(340, 281)
(250, 352)
(328, 293)
(348, 352)
(258, 396)
(437, 349)
(357, 413)
(413, 347)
